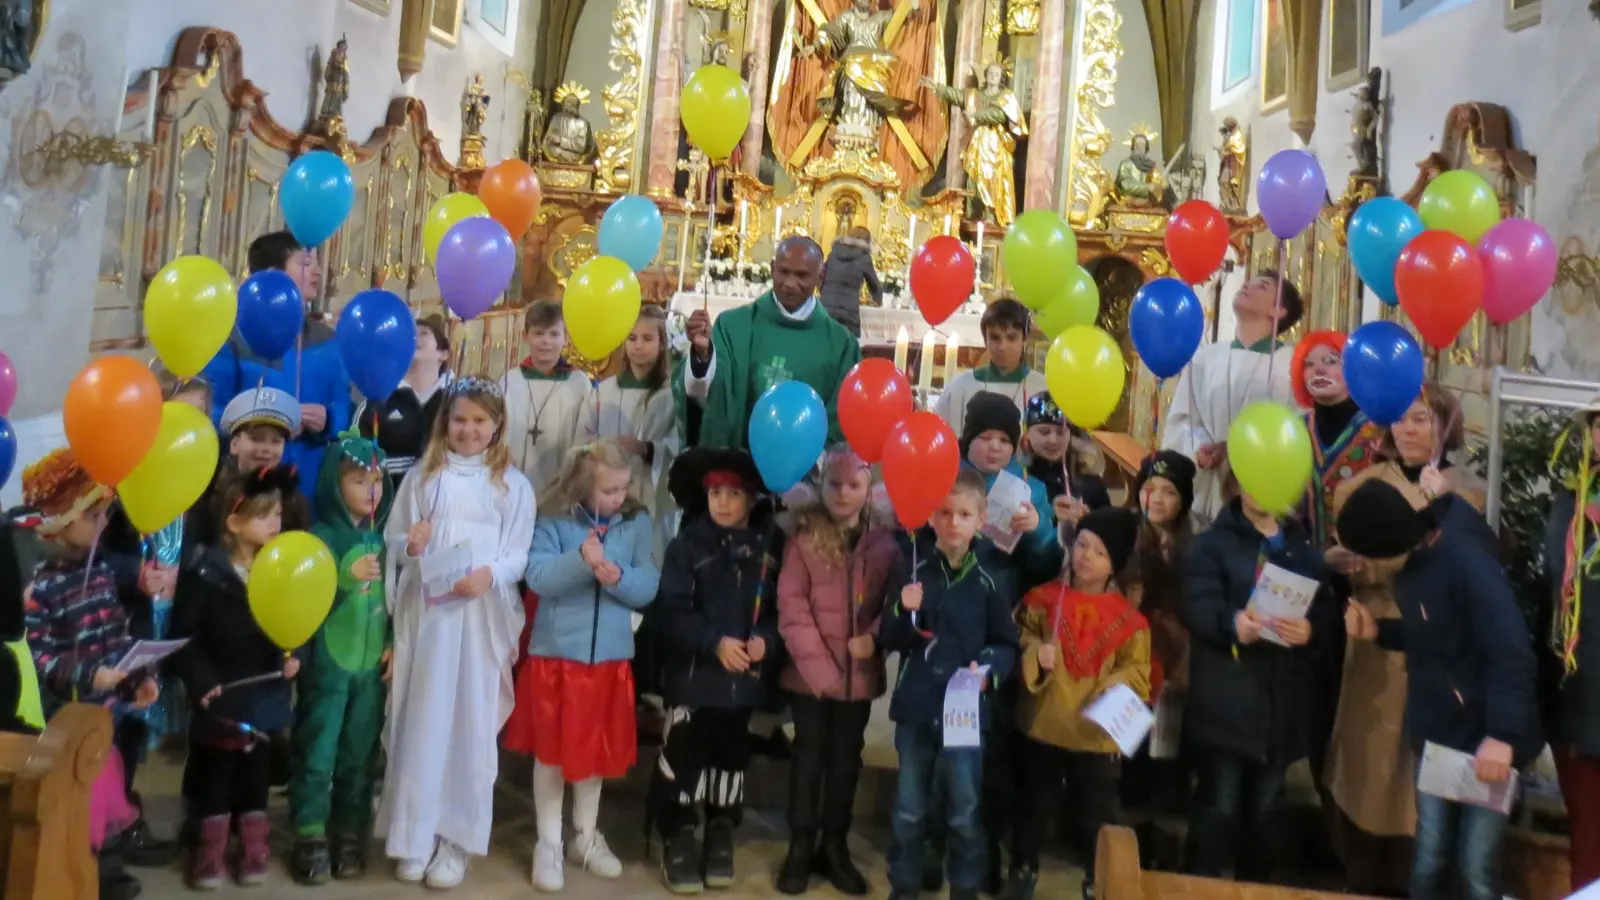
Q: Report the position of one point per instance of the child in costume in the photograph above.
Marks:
(1005, 331)
(339, 708)
(592, 566)
(453, 646)
(954, 612)
(228, 772)
(831, 592)
(545, 398)
(718, 629)
(1064, 460)
(1080, 637)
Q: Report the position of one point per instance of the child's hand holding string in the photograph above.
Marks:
(592, 551)
(291, 668)
(1068, 510)
(756, 649)
(608, 574)
(862, 647)
(418, 536)
(366, 568)
(731, 653)
(911, 597)
(1432, 482)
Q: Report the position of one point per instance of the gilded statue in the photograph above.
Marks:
(1232, 167)
(535, 132)
(18, 34)
(568, 138)
(696, 188)
(1140, 179)
(990, 155)
(335, 85)
(860, 99)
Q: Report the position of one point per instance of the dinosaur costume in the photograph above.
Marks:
(339, 715)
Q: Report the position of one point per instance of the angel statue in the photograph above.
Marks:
(474, 106)
(990, 156)
(568, 138)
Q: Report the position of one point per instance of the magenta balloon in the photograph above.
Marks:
(8, 384)
(475, 263)
(1291, 190)
(1519, 265)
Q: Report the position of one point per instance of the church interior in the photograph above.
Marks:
(135, 132)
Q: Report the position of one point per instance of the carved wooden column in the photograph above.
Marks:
(665, 125)
(1044, 124)
(969, 44)
(414, 15)
(757, 46)
(1301, 28)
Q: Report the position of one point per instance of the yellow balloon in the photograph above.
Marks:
(1077, 304)
(189, 312)
(175, 472)
(1086, 375)
(1460, 202)
(601, 306)
(1269, 450)
(715, 106)
(291, 587)
(450, 209)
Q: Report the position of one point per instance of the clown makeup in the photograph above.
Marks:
(1324, 376)
(1160, 501)
(1414, 434)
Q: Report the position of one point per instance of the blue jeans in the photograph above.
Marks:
(958, 774)
(1467, 835)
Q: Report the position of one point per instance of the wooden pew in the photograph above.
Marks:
(1118, 877)
(45, 784)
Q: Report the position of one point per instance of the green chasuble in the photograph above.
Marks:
(756, 347)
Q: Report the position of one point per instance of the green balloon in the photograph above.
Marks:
(1039, 252)
(1076, 303)
(1461, 203)
(1269, 451)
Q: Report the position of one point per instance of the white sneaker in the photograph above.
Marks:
(591, 852)
(410, 871)
(449, 866)
(549, 875)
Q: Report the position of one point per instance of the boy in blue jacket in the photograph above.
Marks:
(1470, 671)
(954, 612)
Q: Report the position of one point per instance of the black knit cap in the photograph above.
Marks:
(1174, 467)
(1378, 522)
(988, 411)
(1117, 528)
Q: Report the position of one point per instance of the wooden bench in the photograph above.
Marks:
(45, 785)
(1118, 877)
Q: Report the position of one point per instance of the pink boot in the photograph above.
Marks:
(207, 865)
(253, 831)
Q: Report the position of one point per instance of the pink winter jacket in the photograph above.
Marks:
(816, 616)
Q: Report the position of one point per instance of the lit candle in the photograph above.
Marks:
(911, 235)
(777, 228)
(947, 223)
(122, 104)
(744, 214)
(925, 367)
(952, 349)
(902, 349)
(150, 108)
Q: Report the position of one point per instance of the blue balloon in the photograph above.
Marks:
(377, 341)
(788, 428)
(1378, 231)
(1166, 322)
(271, 313)
(8, 451)
(1383, 369)
(316, 195)
(631, 231)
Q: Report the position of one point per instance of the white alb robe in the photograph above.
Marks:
(452, 689)
(652, 417)
(1221, 380)
(553, 406)
(952, 403)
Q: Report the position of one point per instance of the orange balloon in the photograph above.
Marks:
(511, 191)
(112, 414)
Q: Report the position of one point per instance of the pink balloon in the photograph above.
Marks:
(8, 384)
(1519, 265)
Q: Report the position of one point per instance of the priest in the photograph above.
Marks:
(1225, 378)
(785, 335)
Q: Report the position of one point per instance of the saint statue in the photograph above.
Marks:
(861, 96)
(335, 83)
(535, 132)
(568, 138)
(17, 36)
(990, 156)
(1232, 167)
(1366, 122)
(1140, 180)
(474, 107)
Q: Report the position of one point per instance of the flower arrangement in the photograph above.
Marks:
(894, 290)
(721, 269)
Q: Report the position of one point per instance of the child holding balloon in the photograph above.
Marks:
(545, 398)
(457, 543)
(592, 565)
(229, 767)
(1063, 460)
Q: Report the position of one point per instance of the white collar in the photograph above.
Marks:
(799, 315)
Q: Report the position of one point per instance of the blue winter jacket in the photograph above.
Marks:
(1037, 558)
(578, 618)
(235, 369)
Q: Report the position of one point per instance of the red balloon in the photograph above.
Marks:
(942, 275)
(920, 462)
(1197, 239)
(1439, 279)
(873, 398)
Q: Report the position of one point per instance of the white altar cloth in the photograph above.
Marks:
(878, 325)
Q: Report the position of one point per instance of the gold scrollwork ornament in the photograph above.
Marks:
(621, 99)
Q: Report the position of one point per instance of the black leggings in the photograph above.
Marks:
(224, 782)
(828, 739)
(1048, 771)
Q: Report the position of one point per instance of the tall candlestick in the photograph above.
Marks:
(150, 104)
(777, 229)
(911, 235)
(977, 256)
(122, 104)
(683, 249)
(925, 365)
(952, 349)
(902, 349)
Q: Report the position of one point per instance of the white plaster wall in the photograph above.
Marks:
(1137, 100)
(590, 61)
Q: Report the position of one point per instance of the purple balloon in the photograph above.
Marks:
(1291, 190)
(8, 384)
(475, 263)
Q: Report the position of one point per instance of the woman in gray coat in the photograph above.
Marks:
(849, 265)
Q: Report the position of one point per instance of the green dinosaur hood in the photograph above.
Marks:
(334, 523)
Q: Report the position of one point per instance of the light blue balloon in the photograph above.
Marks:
(316, 195)
(631, 231)
(788, 428)
(1378, 232)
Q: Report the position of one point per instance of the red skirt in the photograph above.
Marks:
(576, 716)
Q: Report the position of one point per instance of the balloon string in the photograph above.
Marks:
(711, 232)
(1277, 310)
